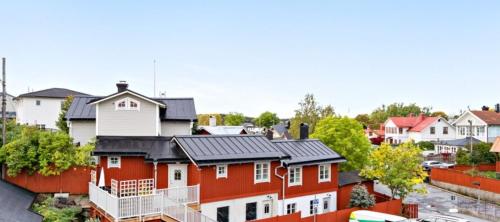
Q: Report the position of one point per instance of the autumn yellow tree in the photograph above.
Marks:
(399, 168)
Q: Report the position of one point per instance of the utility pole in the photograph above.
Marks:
(154, 77)
(4, 117)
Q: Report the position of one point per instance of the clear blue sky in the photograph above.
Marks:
(254, 56)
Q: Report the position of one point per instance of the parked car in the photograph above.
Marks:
(446, 165)
(372, 216)
(427, 165)
(443, 218)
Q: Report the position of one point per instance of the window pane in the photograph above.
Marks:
(251, 211)
(223, 214)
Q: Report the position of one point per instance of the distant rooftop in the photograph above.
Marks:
(53, 93)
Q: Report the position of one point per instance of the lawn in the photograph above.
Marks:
(489, 174)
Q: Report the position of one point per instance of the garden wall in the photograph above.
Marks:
(480, 167)
(74, 181)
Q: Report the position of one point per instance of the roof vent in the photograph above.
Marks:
(122, 86)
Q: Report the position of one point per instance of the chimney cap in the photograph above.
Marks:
(122, 85)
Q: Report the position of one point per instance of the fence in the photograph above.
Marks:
(463, 179)
(498, 167)
(480, 167)
(74, 181)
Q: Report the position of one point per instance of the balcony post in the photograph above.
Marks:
(198, 192)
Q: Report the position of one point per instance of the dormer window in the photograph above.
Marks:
(127, 104)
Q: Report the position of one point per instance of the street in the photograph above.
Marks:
(435, 202)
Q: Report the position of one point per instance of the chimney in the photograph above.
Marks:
(485, 108)
(122, 86)
(497, 108)
(304, 131)
(212, 121)
(287, 124)
(269, 134)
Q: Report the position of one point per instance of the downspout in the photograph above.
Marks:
(155, 163)
(283, 186)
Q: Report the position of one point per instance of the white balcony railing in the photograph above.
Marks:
(171, 202)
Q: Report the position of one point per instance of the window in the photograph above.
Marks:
(324, 173)
(326, 204)
(295, 176)
(221, 171)
(400, 130)
(433, 130)
(127, 104)
(445, 130)
(267, 208)
(114, 162)
(262, 171)
(291, 208)
(313, 209)
(251, 211)
(38, 102)
(223, 214)
(177, 175)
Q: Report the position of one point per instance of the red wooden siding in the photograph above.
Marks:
(498, 166)
(74, 181)
(310, 182)
(131, 168)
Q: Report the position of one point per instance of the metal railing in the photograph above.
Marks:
(171, 202)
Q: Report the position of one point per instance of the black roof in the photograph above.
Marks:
(350, 177)
(151, 147)
(53, 93)
(307, 151)
(176, 108)
(16, 204)
(208, 150)
(458, 142)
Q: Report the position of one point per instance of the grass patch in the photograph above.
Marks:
(487, 174)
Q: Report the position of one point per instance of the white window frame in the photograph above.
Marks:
(127, 101)
(328, 177)
(112, 165)
(291, 208)
(296, 181)
(262, 179)
(221, 175)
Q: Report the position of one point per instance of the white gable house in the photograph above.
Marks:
(482, 125)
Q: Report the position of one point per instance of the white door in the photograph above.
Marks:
(177, 182)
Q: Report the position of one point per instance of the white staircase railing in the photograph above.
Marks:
(171, 202)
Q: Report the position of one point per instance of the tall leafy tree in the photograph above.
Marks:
(61, 123)
(267, 119)
(234, 119)
(309, 112)
(440, 113)
(363, 119)
(346, 137)
(398, 168)
(382, 113)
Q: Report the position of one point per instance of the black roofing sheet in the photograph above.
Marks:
(307, 151)
(16, 204)
(151, 147)
(176, 109)
(459, 142)
(350, 177)
(53, 93)
(206, 150)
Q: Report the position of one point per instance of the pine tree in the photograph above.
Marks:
(361, 198)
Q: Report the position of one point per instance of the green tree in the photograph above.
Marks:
(463, 157)
(439, 113)
(234, 119)
(481, 154)
(425, 145)
(363, 119)
(398, 168)
(346, 137)
(203, 119)
(382, 113)
(309, 112)
(61, 122)
(267, 119)
(360, 197)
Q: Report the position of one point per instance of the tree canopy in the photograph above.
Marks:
(203, 119)
(267, 119)
(234, 119)
(309, 112)
(346, 137)
(48, 153)
(61, 123)
(382, 113)
(398, 168)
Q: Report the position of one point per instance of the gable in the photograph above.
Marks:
(468, 115)
(127, 93)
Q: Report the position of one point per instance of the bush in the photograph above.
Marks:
(360, 197)
(463, 157)
(53, 211)
(425, 145)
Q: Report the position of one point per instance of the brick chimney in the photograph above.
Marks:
(122, 86)
(304, 131)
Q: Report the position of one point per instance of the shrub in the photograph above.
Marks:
(52, 211)
(360, 197)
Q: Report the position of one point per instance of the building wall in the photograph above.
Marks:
(396, 137)
(82, 131)
(171, 128)
(237, 207)
(303, 203)
(112, 122)
(493, 133)
(344, 194)
(462, 121)
(311, 184)
(425, 134)
(47, 113)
